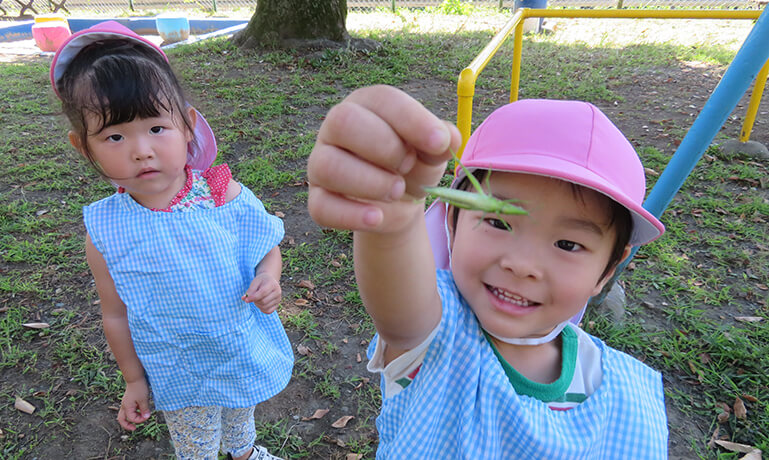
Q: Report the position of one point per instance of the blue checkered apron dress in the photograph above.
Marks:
(462, 406)
(181, 276)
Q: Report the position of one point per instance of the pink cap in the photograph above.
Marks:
(200, 154)
(568, 140)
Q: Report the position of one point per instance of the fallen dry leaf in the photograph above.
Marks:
(342, 421)
(734, 447)
(23, 406)
(36, 325)
(723, 417)
(358, 358)
(714, 437)
(750, 398)
(363, 381)
(651, 172)
(739, 408)
(303, 350)
(318, 414)
(353, 457)
(749, 319)
(301, 302)
(755, 454)
(695, 371)
(724, 407)
(336, 263)
(279, 214)
(306, 284)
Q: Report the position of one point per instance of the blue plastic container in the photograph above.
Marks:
(173, 28)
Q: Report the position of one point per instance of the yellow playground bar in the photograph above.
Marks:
(469, 75)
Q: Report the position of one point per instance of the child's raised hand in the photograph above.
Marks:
(135, 407)
(374, 153)
(264, 292)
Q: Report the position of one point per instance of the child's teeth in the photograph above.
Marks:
(511, 298)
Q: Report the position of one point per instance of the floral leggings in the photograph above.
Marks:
(198, 432)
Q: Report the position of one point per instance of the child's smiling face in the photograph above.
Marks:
(522, 283)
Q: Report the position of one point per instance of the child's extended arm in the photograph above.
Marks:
(264, 290)
(134, 407)
(374, 153)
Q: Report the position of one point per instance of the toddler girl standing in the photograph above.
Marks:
(478, 358)
(186, 260)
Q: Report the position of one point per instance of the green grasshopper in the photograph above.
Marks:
(477, 200)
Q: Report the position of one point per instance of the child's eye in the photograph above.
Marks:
(497, 223)
(156, 129)
(567, 245)
(115, 137)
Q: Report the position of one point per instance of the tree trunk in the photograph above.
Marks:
(286, 23)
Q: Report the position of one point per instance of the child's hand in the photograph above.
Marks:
(135, 407)
(264, 292)
(374, 153)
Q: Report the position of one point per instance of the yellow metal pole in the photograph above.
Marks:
(755, 100)
(468, 76)
(653, 14)
(465, 91)
(517, 53)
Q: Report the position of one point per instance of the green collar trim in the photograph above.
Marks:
(545, 392)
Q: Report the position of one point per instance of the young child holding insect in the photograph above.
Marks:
(185, 260)
(478, 358)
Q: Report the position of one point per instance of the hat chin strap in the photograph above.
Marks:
(533, 340)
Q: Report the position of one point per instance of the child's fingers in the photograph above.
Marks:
(408, 118)
(355, 128)
(268, 303)
(340, 172)
(143, 412)
(335, 211)
(121, 419)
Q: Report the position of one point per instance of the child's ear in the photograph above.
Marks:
(192, 115)
(74, 139)
(610, 273)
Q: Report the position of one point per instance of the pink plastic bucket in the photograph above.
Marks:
(49, 35)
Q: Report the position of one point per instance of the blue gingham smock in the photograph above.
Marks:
(461, 405)
(181, 276)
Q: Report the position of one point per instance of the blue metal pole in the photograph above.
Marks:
(753, 53)
(751, 56)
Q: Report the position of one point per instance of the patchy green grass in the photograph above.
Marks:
(697, 298)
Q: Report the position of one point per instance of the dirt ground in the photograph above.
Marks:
(673, 95)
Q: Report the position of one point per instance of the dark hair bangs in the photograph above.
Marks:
(117, 91)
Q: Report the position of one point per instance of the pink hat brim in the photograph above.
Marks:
(202, 153)
(646, 227)
(79, 40)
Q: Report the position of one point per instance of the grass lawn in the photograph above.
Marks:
(696, 298)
